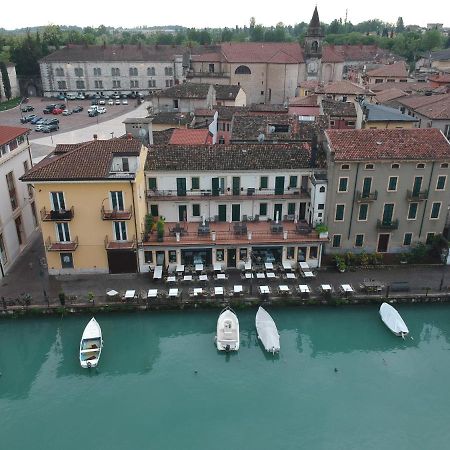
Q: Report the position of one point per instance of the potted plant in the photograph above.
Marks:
(160, 229)
(149, 224)
(340, 263)
(322, 229)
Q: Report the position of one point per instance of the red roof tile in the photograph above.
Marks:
(344, 87)
(264, 52)
(330, 56)
(7, 133)
(372, 145)
(396, 70)
(418, 101)
(190, 137)
(390, 94)
(439, 110)
(418, 86)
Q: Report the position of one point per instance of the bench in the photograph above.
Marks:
(399, 286)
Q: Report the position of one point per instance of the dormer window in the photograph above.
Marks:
(125, 165)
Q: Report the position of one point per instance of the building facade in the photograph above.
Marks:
(15, 91)
(387, 189)
(18, 219)
(92, 205)
(233, 202)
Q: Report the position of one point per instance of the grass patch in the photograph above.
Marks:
(9, 104)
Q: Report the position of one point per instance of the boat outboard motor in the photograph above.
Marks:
(227, 348)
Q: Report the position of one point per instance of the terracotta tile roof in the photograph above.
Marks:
(344, 87)
(304, 110)
(395, 144)
(162, 137)
(204, 112)
(329, 55)
(440, 55)
(248, 127)
(363, 53)
(308, 84)
(389, 94)
(87, 161)
(226, 91)
(395, 70)
(334, 108)
(440, 78)
(309, 100)
(174, 118)
(267, 108)
(119, 53)
(439, 110)
(214, 56)
(228, 157)
(262, 52)
(185, 90)
(7, 133)
(409, 87)
(418, 101)
(227, 112)
(190, 137)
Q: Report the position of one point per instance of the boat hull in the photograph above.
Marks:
(267, 331)
(91, 345)
(227, 337)
(392, 319)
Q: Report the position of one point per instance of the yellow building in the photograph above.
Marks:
(91, 198)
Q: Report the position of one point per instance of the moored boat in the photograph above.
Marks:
(91, 345)
(227, 337)
(267, 331)
(392, 319)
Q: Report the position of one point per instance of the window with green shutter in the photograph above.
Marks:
(339, 212)
(152, 183)
(336, 240)
(435, 210)
(263, 209)
(359, 240)
(343, 184)
(293, 179)
(440, 185)
(363, 211)
(195, 182)
(154, 210)
(407, 239)
(291, 209)
(264, 182)
(412, 211)
(392, 185)
(196, 210)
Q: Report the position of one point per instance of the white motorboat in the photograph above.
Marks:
(227, 337)
(91, 345)
(392, 319)
(267, 331)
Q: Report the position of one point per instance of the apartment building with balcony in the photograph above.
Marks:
(92, 205)
(387, 189)
(231, 202)
(18, 219)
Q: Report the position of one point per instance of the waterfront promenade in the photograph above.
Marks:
(29, 278)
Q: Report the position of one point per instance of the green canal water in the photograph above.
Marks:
(162, 385)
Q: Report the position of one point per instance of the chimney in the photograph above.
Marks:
(95, 137)
(129, 136)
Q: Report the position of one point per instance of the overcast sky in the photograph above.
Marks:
(27, 13)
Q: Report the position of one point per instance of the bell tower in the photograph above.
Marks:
(313, 47)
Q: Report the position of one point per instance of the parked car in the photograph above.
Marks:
(71, 97)
(49, 108)
(116, 96)
(27, 108)
(77, 109)
(124, 101)
(67, 112)
(101, 110)
(102, 101)
(80, 97)
(94, 102)
(93, 113)
(34, 120)
(40, 126)
(117, 102)
(111, 102)
(40, 121)
(52, 121)
(28, 118)
(57, 111)
(61, 97)
(51, 127)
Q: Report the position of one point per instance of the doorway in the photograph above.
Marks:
(277, 211)
(231, 257)
(222, 209)
(236, 213)
(182, 213)
(383, 243)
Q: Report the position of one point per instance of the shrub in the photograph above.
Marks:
(363, 259)
(62, 298)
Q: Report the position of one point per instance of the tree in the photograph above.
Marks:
(431, 40)
(227, 35)
(252, 23)
(53, 36)
(6, 82)
(400, 27)
(257, 34)
(335, 27)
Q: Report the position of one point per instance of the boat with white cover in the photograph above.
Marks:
(227, 337)
(91, 345)
(392, 319)
(267, 331)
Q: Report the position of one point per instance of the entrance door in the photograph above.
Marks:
(235, 213)
(160, 257)
(181, 187)
(302, 211)
(231, 256)
(236, 185)
(182, 213)
(277, 211)
(222, 213)
(279, 185)
(383, 243)
(121, 261)
(215, 189)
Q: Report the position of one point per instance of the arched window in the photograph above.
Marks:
(315, 46)
(242, 70)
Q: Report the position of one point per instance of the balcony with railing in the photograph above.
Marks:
(416, 196)
(363, 197)
(115, 214)
(66, 246)
(58, 215)
(120, 245)
(232, 194)
(234, 233)
(387, 224)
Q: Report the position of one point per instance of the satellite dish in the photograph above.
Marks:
(271, 129)
(261, 138)
(143, 132)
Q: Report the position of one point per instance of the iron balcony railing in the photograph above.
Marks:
(115, 214)
(58, 215)
(67, 246)
(120, 245)
(387, 225)
(366, 196)
(416, 196)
